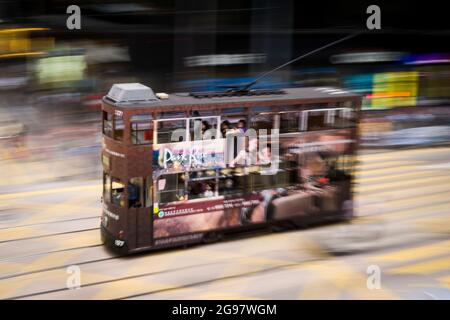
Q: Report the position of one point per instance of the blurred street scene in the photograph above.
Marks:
(52, 81)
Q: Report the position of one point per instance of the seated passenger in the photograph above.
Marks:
(208, 132)
(248, 155)
(242, 126)
(208, 193)
(195, 189)
(265, 155)
(224, 127)
(205, 126)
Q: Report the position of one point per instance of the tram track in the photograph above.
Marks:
(409, 184)
(360, 207)
(141, 276)
(41, 246)
(200, 283)
(235, 237)
(56, 267)
(170, 270)
(231, 239)
(49, 222)
(154, 273)
(48, 235)
(15, 259)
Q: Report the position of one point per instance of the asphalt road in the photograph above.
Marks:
(397, 248)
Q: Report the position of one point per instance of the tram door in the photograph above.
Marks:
(140, 225)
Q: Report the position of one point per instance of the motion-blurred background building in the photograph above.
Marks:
(52, 78)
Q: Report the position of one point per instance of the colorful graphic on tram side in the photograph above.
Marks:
(181, 156)
(206, 214)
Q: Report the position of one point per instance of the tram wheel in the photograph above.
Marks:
(211, 237)
(283, 225)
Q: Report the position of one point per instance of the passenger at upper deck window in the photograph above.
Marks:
(224, 127)
(242, 126)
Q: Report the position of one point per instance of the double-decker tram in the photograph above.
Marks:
(191, 167)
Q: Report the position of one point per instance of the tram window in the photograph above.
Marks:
(290, 108)
(148, 191)
(171, 115)
(344, 118)
(135, 189)
(340, 168)
(230, 185)
(262, 121)
(107, 124)
(106, 162)
(291, 166)
(317, 120)
(142, 117)
(141, 132)
(171, 187)
(282, 178)
(233, 110)
(235, 122)
(230, 182)
(261, 181)
(119, 127)
(106, 188)
(142, 128)
(202, 184)
(289, 122)
(203, 113)
(203, 128)
(261, 109)
(117, 192)
(171, 131)
(347, 104)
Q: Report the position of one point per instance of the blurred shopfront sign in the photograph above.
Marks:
(18, 42)
(367, 57)
(224, 59)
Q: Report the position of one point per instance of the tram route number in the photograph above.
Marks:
(225, 310)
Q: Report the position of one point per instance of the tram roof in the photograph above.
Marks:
(290, 96)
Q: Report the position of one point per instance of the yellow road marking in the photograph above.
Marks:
(381, 164)
(396, 215)
(426, 267)
(398, 184)
(415, 253)
(402, 153)
(439, 224)
(346, 279)
(387, 199)
(128, 287)
(385, 171)
(406, 175)
(49, 191)
(76, 201)
(445, 281)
